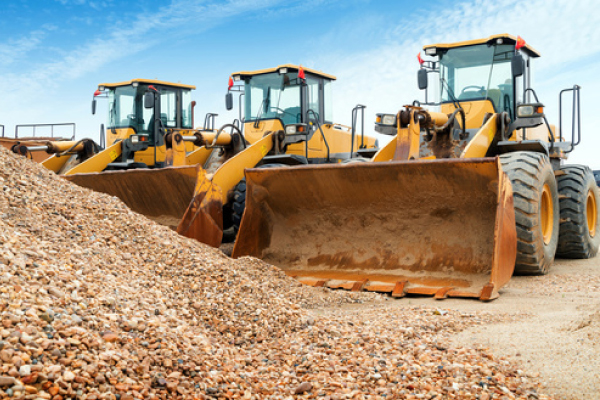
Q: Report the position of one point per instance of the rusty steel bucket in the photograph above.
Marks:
(440, 227)
(163, 195)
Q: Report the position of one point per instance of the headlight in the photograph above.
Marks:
(135, 139)
(293, 129)
(385, 119)
(431, 51)
(530, 110)
(388, 120)
(237, 78)
(524, 111)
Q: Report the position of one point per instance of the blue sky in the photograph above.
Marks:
(53, 53)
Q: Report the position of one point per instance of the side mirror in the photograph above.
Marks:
(94, 107)
(229, 101)
(517, 65)
(422, 78)
(148, 100)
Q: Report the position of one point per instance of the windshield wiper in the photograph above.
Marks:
(267, 99)
(455, 101)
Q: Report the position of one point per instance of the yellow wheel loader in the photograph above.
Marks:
(458, 199)
(293, 106)
(153, 157)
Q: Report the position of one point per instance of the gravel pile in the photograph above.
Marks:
(97, 302)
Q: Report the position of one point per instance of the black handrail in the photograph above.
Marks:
(209, 121)
(2, 126)
(576, 110)
(34, 126)
(355, 110)
(240, 106)
(309, 111)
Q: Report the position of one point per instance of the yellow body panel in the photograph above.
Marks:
(386, 153)
(147, 156)
(232, 171)
(98, 162)
(475, 111)
(119, 134)
(255, 133)
(338, 138)
(480, 144)
(540, 132)
(55, 163)
(198, 156)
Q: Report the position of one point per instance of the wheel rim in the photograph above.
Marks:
(547, 214)
(591, 213)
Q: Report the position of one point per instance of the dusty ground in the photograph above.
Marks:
(555, 329)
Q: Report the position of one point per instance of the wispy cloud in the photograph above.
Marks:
(123, 38)
(17, 48)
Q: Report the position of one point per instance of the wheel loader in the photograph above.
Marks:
(193, 179)
(464, 194)
(153, 157)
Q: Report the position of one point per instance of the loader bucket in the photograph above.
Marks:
(440, 227)
(162, 195)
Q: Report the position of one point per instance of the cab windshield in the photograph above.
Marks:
(273, 95)
(478, 72)
(126, 108)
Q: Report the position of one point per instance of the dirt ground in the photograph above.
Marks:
(555, 330)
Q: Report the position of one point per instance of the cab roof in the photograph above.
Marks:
(290, 67)
(506, 38)
(146, 81)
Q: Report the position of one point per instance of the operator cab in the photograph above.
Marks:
(477, 76)
(127, 115)
(280, 94)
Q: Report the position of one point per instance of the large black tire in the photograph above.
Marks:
(536, 210)
(579, 196)
(239, 198)
(239, 204)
